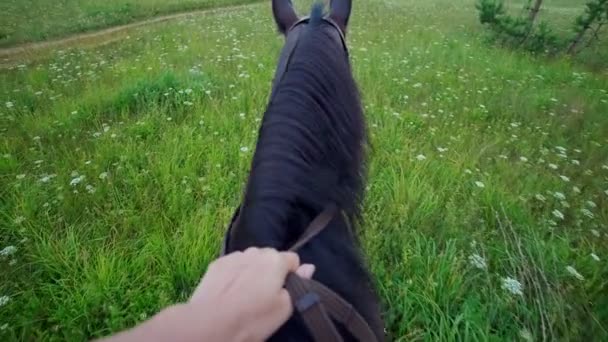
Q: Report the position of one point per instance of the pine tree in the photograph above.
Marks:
(592, 20)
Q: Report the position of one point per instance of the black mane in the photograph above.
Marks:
(310, 153)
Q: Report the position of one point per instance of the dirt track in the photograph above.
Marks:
(31, 51)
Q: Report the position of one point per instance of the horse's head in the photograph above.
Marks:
(286, 17)
(291, 26)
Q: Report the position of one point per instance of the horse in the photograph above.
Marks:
(310, 154)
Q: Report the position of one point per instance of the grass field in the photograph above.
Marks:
(486, 216)
(33, 20)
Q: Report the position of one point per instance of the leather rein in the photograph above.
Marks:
(318, 305)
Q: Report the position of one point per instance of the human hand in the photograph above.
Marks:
(240, 298)
(242, 293)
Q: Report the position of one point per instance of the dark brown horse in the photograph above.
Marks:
(310, 154)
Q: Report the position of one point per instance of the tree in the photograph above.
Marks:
(534, 10)
(592, 20)
(521, 31)
(517, 31)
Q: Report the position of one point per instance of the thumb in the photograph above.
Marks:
(306, 270)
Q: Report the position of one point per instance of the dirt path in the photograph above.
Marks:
(31, 51)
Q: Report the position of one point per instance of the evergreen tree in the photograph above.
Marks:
(592, 20)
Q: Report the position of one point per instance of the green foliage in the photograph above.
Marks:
(592, 20)
(34, 20)
(515, 31)
(479, 154)
(521, 31)
(490, 11)
(595, 10)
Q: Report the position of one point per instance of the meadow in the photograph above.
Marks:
(35, 20)
(486, 210)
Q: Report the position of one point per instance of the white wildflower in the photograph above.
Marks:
(576, 162)
(442, 149)
(576, 189)
(21, 176)
(565, 204)
(552, 166)
(420, 157)
(595, 233)
(587, 213)
(559, 195)
(591, 204)
(90, 189)
(9, 104)
(188, 91)
(468, 172)
(19, 219)
(478, 261)
(574, 273)
(8, 251)
(595, 257)
(523, 159)
(480, 184)
(558, 214)
(244, 149)
(540, 197)
(75, 181)
(103, 175)
(564, 178)
(512, 285)
(526, 335)
(4, 300)
(46, 178)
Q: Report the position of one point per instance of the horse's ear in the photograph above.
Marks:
(340, 12)
(284, 14)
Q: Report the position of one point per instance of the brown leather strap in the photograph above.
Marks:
(315, 227)
(311, 299)
(316, 303)
(309, 306)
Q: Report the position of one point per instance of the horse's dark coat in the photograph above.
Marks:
(310, 153)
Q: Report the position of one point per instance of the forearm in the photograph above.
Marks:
(176, 323)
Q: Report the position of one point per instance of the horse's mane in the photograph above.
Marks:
(310, 154)
(310, 146)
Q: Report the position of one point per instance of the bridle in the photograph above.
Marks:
(292, 43)
(318, 305)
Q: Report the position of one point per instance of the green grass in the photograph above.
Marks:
(35, 20)
(159, 127)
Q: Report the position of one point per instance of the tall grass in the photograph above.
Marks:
(34, 20)
(486, 208)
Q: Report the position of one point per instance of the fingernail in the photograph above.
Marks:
(306, 270)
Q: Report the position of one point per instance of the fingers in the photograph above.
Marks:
(291, 261)
(306, 271)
